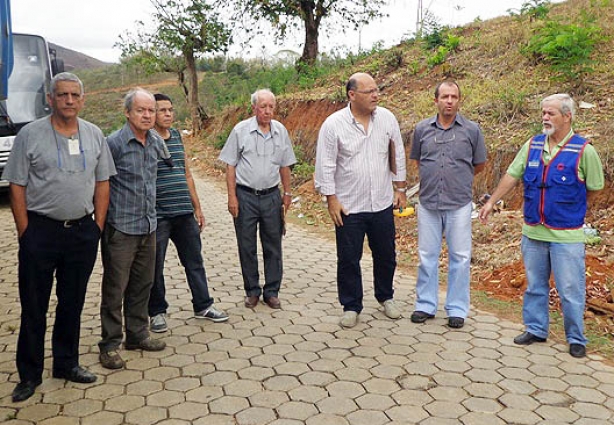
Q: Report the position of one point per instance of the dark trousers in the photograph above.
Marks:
(47, 246)
(185, 234)
(260, 213)
(128, 262)
(380, 231)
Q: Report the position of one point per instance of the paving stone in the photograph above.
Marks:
(38, 412)
(63, 396)
(367, 417)
(374, 402)
(443, 409)
(296, 410)
(516, 387)
(229, 405)
(406, 414)
(478, 418)
(591, 410)
(255, 416)
(456, 395)
(146, 415)
(82, 408)
(519, 416)
(60, 420)
(337, 405)
(482, 405)
(327, 419)
(104, 418)
(143, 388)
(556, 413)
(270, 399)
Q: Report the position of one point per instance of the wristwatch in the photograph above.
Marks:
(401, 189)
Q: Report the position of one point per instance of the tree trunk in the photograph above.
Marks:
(312, 28)
(197, 112)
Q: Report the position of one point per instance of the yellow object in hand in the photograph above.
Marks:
(403, 212)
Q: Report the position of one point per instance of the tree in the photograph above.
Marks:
(285, 15)
(184, 30)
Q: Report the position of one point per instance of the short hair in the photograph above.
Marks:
(566, 103)
(64, 76)
(447, 83)
(129, 98)
(160, 96)
(256, 95)
(351, 85)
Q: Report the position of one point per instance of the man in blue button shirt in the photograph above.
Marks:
(129, 239)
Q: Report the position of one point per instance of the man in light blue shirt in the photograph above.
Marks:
(258, 154)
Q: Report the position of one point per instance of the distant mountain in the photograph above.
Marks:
(75, 60)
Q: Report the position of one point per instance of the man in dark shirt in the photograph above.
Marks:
(181, 220)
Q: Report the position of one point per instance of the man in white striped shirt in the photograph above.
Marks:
(360, 168)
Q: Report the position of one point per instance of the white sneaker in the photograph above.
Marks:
(158, 323)
(349, 319)
(391, 310)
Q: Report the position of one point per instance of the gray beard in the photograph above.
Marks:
(548, 131)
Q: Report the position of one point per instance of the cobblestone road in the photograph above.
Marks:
(297, 366)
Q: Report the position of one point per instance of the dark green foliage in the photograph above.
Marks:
(566, 48)
(533, 9)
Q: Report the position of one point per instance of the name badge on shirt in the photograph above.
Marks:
(73, 146)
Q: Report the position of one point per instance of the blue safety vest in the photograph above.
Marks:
(554, 194)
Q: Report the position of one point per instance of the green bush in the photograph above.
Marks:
(566, 48)
(533, 9)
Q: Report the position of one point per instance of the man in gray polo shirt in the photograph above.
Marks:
(259, 154)
(448, 150)
(59, 172)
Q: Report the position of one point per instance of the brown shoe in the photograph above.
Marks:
(111, 360)
(273, 302)
(147, 344)
(251, 302)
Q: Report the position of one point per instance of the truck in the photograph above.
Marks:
(33, 66)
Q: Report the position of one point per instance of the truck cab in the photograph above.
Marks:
(34, 63)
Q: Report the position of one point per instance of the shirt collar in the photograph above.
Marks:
(458, 119)
(253, 126)
(350, 117)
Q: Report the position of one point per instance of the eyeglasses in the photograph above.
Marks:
(445, 138)
(372, 91)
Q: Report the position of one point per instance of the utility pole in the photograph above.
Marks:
(419, 19)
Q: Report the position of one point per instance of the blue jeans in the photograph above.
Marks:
(456, 226)
(566, 262)
(380, 231)
(184, 232)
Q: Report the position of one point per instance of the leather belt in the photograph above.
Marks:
(257, 192)
(67, 224)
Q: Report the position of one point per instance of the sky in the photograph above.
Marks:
(92, 27)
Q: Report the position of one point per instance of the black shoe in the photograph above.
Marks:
(456, 322)
(76, 374)
(577, 350)
(24, 390)
(527, 338)
(420, 316)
